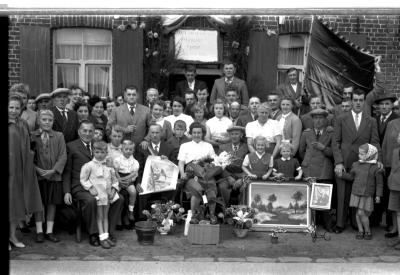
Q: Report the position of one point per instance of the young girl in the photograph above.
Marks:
(394, 187)
(50, 159)
(101, 182)
(286, 166)
(367, 180)
(258, 165)
(126, 168)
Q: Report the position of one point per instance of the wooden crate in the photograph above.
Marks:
(204, 233)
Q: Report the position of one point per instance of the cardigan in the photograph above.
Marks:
(367, 179)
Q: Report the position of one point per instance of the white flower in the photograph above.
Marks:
(155, 35)
(142, 25)
(223, 160)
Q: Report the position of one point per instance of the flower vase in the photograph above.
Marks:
(240, 232)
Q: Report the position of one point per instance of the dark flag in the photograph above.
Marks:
(331, 62)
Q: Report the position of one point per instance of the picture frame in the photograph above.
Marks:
(282, 206)
(321, 196)
(159, 175)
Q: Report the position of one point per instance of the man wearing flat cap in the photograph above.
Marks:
(316, 151)
(238, 149)
(65, 120)
(43, 101)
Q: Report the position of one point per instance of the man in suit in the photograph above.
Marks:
(352, 129)
(152, 95)
(156, 147)
(307, 120)
(274, 101)
(293, 89)
(219, 88)
(80, 152)
(65, 120)
(250, 114)
(189, 83)
(385, 102)
(132, 116)
(233, 172)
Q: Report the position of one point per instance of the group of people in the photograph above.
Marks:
(73, 148)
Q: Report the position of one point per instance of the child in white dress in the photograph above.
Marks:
(101, 182)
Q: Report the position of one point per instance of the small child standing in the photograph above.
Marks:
(101, 182)
(126, 168)
(258, 165)
(367, 179)
(394, 196)
(178, 138)
(287, 166)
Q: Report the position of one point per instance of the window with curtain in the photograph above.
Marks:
(82, 57)
(291, 53)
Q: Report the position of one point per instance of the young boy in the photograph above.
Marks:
(178, 138)
(286, 166)
(98, 133)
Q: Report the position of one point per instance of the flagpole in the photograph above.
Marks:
(308, 50)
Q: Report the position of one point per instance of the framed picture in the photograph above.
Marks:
(280, 205)
(159, 175)
(321, 196)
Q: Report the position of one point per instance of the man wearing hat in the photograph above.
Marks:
(316, 151)
(43, 101)
(385, 103)
(65, 121)
(238, 149)
(307, 119)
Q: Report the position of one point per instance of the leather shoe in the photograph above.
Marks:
(391, 234)
(112, 238)
(51, 237)
(338, 229)
(105, 244)
(110, 242)
(94, 240)
(40, 237)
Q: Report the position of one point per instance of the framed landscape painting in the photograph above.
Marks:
(280, 205)
(159, 175)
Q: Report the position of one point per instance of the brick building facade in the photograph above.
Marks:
(379, 34)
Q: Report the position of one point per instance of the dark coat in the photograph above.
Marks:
(394, 178)
(244, 119)
(367, 179)
(308, 122)
(317, 163)
(382, 126)
(69, 129)
(77, 156)
(242, 151)
(286, 90)
(182, 86)
(347, 139)
(218, 90)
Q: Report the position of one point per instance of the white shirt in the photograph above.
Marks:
(386, 116)
(154, 146)
(354, 117)
(187, 119)
(130, 106)
(294, 86)
(218, 126)
(269, 130)
(114, 152)
(192, 150)
(191, 85)
(229, 81)
(126, 165)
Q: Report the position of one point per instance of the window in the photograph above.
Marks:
(292, 50)
(83, 57)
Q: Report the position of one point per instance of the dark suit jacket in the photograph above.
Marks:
(218, 90)
(69, 129)
(286, 90)
(182, 86)
(347, 139)
(240, 154)
(121, 116)
(77, 156)
(244, 119)
(382, 127)
(141, 156)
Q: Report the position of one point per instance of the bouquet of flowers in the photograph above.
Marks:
(241, 216)
(224, 159)
(165, 214)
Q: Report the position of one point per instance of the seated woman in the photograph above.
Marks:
(199, 175)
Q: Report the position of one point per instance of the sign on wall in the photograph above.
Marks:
(196, 45)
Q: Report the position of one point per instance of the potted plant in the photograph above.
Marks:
(165, 215)
(242, 218)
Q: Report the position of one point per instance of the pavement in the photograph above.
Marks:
(254, 250)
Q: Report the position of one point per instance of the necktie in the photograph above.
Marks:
(357, 121)
(45, 138)
(132, 111)
(156, 148)
(256, 117)
(382, 119)
(235, 149)
(318, 134)
(88, 147)
(64, 114)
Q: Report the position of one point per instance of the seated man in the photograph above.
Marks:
(232, 175)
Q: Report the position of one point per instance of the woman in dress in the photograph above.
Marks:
(24, 194)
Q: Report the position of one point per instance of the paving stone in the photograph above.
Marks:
(93, 258)
(200, 259)
(295, 259)
(261, 259)
(171, 258)
(331, 260)
(68, 258)
(132, 258)
(390, 258)
(223, 259)
(363, 259)
(34, 257)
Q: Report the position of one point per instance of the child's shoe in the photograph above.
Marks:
(360, 235)
(368, 236)
(112, 243)
(105, 244)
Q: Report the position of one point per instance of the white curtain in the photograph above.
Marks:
(291, 50)
(67, 75)
(98, 80)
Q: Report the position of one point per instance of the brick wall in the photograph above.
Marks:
(382, 35)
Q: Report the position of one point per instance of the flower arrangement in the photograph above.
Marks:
(165, 214)
(224, 159)
(241, 216)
